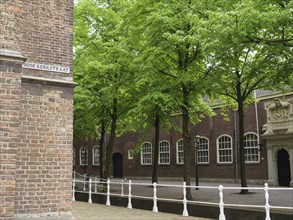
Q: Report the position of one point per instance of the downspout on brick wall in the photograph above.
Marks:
(235, 145)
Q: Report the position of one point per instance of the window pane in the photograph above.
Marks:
(180, 152)
(146, 153)
(251, 148)
(96, 155)
(202, 150)
(224, 149)
(83, 156)
(164, 152)
(73, 161)
(130, 154)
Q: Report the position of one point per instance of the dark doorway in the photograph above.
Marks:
(284, 176)
(117, 165)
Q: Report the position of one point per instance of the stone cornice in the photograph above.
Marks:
(47, 81)
(274, 95)
(11, 55)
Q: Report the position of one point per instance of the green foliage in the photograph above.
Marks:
(101, 62)
(245, 37)
(166, 37)
(158, 46)
(164, 57)
(251, 42)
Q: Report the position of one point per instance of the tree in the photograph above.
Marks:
(153, 109)
(276, 33)
(104, 65)
(90, 122)
(138, 61)
(168, 32)
(244, 65)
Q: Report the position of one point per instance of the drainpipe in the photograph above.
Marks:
(236, 145)
(256, 117)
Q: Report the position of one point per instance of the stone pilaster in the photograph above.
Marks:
(44, 156)
(36, 108)
(10, 16)
(11, 61)
(278, 132)
(10, 75)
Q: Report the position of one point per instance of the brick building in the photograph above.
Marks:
(36, 108)
(268, 139)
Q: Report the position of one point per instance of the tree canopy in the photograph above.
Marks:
(140, 61)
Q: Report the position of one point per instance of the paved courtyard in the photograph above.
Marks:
(85, 211)
(256, 197)
(231, 196)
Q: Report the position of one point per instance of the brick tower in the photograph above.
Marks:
(36, 108)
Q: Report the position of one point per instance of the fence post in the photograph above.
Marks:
(267, 205)
(90, 191)
(122, 187)
(108, 193)
(185, 212)
(221, 204)
(96, 183)
(73, 190)
(155, 207)
(84, 178)
(129, 206)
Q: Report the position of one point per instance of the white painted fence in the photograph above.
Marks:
(88, 184)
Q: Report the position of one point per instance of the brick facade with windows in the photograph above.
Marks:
(210, 129)
(36, 108)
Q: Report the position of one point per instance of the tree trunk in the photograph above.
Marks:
(156, 148)
(186, 141)
(109, 149)
(102, 140)
(240, 102)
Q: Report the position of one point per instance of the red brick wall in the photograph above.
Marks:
(10, 15)
(9, 121)
(36, 114)
(10, 74)
(47, 34)
(44, 155)
(210, 128)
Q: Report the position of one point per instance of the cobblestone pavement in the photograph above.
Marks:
(85, 211)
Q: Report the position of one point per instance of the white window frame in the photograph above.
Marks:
(254, 147)
(96, 157)
(225, 149)
(179, 152)
(130, 154)
(80, 156)
(200, 150)
(146, 153)
(164, 153)
(73, 156)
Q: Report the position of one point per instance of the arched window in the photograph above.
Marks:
(224, 147)
(164, 152)
(203, 150)
(83, 156)
(251, 148)
(96, 155)
(179, 152)
(146, 153)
